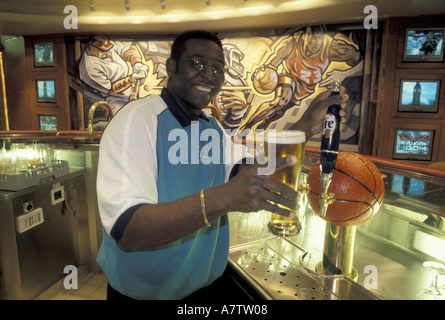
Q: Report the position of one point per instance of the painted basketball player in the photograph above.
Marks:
(305, 55)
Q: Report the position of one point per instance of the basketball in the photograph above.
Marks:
(265, 79)
(358, 187)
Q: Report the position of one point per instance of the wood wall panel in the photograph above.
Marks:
(393, 70)
(57, 72)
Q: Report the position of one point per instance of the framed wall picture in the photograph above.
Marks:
(46, 90)
(413, 144)
(423, 45)
(48, 122)
(44, 54)
(419, 95)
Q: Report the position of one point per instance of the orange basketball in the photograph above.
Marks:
(358, 187)
(265, 80)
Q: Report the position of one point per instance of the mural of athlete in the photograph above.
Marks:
(304, 57)
(230, 105)
(103, 66)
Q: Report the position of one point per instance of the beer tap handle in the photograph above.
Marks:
(329, 150)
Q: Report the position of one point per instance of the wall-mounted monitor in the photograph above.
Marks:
(413, 144)
(46, 90)
(419, 95)
(44, 54)
(423, 45)
(48, 122)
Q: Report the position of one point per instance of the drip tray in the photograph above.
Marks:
(275, 277)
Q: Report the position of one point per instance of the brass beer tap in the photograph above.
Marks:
(329, 150)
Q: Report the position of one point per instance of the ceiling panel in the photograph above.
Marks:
(27, 17)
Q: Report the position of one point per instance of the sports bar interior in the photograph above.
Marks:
(389, 56)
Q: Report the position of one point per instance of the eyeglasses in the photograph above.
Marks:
(202, 65)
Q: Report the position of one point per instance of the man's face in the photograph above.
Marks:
(196, 88)
(314, 44)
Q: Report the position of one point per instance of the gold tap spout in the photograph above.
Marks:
(91, 115)
(325, 198)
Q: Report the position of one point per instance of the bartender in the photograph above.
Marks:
(166, 231)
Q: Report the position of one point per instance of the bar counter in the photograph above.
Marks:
(390, 248)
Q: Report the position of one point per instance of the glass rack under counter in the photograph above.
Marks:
(393, 251)
(30, 157)
(49, 217)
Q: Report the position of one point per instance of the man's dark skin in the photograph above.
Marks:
(157, 224)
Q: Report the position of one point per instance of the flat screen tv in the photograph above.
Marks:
(419, 95)
(423, 45)
(46, 90)
(413, 144)
(43, 54)
(47, 122)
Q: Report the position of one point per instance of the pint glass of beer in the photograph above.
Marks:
(281, 144)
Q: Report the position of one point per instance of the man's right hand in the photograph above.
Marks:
(250, 191)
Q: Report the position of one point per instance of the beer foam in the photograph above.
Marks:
(285, 137)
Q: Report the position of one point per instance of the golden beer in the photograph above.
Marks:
(285, 143)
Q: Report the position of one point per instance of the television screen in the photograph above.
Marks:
(46, 90)
(412, 144)
(419, 95)
(48, 122)
(424, 45)
(43, 54)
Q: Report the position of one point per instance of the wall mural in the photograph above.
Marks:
(270, 76)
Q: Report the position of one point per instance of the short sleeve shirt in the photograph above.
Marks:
(151, 152)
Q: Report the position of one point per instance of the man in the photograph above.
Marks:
(165, 222)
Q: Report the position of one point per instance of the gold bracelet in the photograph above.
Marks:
(203, 209)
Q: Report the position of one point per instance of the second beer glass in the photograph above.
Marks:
(285, 143)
